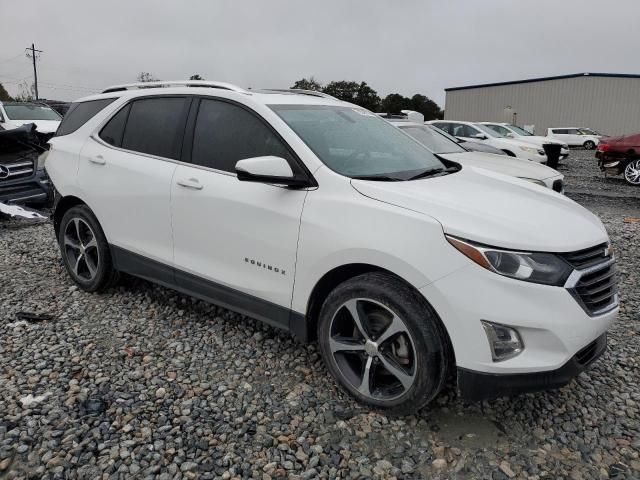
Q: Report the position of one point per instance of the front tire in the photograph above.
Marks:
(589, 145)
(632, 172)
(85, 251)
(383, 343)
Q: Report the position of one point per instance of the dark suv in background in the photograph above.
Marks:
(22, 176)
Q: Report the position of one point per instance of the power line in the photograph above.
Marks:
(35, 71)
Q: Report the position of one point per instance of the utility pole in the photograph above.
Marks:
(35, 71)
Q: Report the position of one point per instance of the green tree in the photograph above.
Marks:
(367, 97)
(308, 84)
(394, 103)
(196, 77)
(426, 107)
(4, 95)
(146, 77)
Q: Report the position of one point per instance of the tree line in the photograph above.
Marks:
(359, 93)
(365, 96)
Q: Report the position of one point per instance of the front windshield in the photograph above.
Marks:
(431, 139)
(488, 131)
(355, 142)
(30, 111)
(520, 131)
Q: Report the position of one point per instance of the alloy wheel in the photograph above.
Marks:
(373, 349)
(81, 249)
(632, 172)
(589, 145)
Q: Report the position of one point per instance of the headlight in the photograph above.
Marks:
(533, 180)
(536, 267)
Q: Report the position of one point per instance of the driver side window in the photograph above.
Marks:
(225, 133)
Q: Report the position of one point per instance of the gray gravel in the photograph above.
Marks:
(142, 382)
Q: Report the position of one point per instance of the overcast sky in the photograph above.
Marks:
(404, 46)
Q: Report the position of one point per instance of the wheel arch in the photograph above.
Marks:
(340, 274)
(62, 206)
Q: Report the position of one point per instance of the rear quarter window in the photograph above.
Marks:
(80, 113)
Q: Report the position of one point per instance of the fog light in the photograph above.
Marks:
(504, 341)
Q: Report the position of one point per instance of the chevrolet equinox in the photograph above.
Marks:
(320, 218)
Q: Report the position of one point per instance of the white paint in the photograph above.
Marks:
(17, 211)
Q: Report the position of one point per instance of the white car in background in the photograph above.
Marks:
(476, 132)
(444, 145)
(513, 131)
(576, 136)
(16, 114)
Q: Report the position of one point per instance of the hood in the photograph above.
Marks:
(503, 164)
(44, 126)
(494, 209)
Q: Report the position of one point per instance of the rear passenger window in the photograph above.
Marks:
(113, 131)
(225, 133)
(155, 125)
(80, 113)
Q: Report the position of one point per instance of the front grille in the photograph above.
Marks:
(598, 289)
(558, 186)
(587, 257)
(16, 169)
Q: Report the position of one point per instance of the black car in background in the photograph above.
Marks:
(23, 179)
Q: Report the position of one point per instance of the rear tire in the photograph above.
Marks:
(394, 355)
(85, 251)
(589, 145)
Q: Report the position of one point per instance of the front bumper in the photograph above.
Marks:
(477, 386)
(552, 324)
(35, 190)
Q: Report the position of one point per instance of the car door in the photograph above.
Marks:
(126, 170)
(235, 242)
(574, 137)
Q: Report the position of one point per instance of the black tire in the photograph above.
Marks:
(589, 145)
(90, 266)
(424, 337)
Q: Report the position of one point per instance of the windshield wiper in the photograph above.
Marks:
(430, 172)
(378, 178)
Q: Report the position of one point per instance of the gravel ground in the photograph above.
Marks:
(142, 382)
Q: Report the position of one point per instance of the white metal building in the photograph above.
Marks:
(606, 102)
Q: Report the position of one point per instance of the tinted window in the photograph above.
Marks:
(114, 129)
(154, 126)
(80, 113)
(560, 131)
(225, 133)
(573, 131)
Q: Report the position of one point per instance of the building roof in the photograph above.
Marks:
(542, 79)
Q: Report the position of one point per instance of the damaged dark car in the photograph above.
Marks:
(23, 179)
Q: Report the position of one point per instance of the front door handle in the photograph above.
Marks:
(190, 183)
(98, 160)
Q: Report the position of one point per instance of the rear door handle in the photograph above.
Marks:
(98, 160)
(190, 183)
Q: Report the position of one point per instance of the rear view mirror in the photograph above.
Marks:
(269, 169)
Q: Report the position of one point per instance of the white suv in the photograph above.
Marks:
(576, 137)
(16, 114)
(476, 132)
(321, 218)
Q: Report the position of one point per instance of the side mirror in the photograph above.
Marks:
(510, 135)
(480, 136)
(269, 169)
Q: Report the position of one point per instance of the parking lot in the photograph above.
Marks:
(144, 381)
